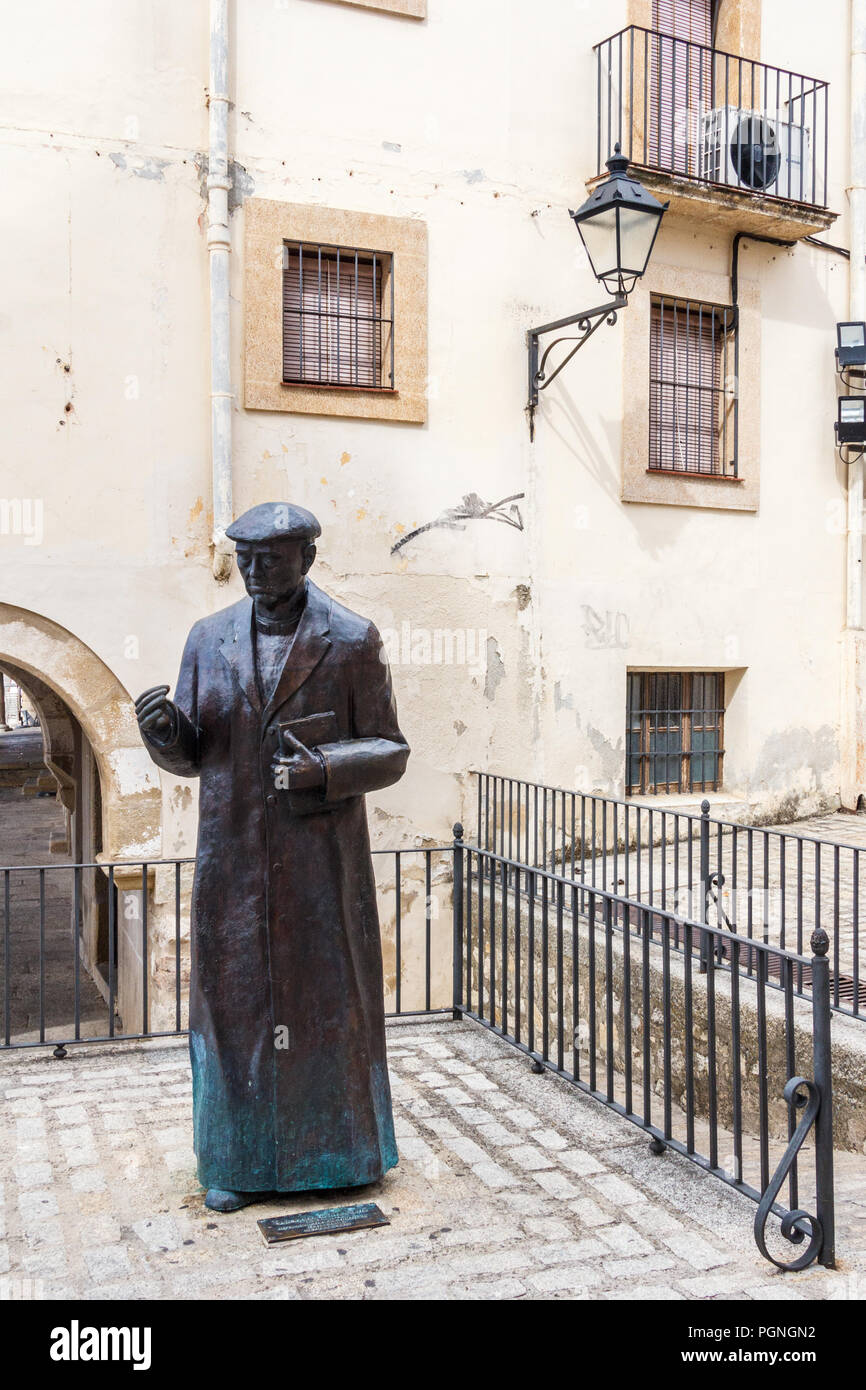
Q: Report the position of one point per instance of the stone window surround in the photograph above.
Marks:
(268, 224)
(678, 489)
(738, 24)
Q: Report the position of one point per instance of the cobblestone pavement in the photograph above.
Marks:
(510, 1186)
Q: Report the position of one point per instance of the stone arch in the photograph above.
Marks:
(59, 662)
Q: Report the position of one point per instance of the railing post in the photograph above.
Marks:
(823, 1074)
(707, 953)
(458, 918)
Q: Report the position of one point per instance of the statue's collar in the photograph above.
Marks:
(289, 617)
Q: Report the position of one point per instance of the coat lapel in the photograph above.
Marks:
(306, 651)
(237, 648)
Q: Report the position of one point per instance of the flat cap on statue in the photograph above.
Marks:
(275, 521)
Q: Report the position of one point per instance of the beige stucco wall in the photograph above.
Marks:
(479, 126)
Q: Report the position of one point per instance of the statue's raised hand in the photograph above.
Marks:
(157, 716)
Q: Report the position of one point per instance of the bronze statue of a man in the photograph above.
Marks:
(284, 711)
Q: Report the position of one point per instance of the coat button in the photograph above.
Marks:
(276, 868)
(270, 800)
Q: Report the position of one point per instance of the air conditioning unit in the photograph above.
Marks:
(757, 151)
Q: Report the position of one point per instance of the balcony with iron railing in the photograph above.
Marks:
(730, 139)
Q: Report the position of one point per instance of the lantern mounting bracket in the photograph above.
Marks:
(586, 322)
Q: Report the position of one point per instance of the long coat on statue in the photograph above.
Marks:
(287, 1033)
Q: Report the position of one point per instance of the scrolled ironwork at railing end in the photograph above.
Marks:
(792, 1221)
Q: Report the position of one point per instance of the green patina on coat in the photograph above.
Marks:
(285, 931)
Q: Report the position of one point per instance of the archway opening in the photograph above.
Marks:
(54, 904)
(71, 926)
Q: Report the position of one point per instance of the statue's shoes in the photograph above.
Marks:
(219, 1199)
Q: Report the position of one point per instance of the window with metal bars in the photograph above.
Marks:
(338, 316)
(674, 731)
(693, 387)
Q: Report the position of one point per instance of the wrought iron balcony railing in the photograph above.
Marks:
(685, 109)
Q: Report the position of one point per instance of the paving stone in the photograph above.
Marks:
(465, 1148)
(37, 1205)
(695, 1250)
(71, 1115)
(454, 1096)
(580, 1162)
(777, 1291)
(625, 1240)
(712, 1285)
(556, 1184)
(480, 1235)
(107, 1262)
(497, 1135)
(639, 1266)
(589, 1212)
(549, 1139)
(493, 1175)
(573, 1279)
(524, 1119)
(529, 1157)
(551, 1227)
(617, 1190)
(33, 1174)
(489, 1262)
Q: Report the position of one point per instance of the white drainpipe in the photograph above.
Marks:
(853, 781)
(857, 292)
(219, 250)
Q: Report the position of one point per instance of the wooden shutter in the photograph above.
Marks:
(332, 315)
(680, 82)
(675, 725)
(688, 406)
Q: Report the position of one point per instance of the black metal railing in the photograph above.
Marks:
(688, 109)
(600, 996)
(99, 952)
(766, 885)
(604, 988)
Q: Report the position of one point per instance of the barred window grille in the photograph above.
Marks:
(338, 316)
(693, 387)
(675, 728)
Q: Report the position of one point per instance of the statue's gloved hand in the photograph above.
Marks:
(298, 770)
(157, 716)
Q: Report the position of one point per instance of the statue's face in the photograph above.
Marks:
(272, 570)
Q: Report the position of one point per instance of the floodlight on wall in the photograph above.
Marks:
(618, 225)
(851, 353)
(851, 427)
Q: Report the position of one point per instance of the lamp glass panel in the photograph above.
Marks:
(852, 335)
(852, 410)
(599, 238)
(636, 229)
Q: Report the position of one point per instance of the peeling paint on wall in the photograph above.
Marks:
(495, 669)
(133, 771)
(609, 756)
(139, 166)
(243, 184)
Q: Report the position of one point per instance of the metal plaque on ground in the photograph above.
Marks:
(325, 1221)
